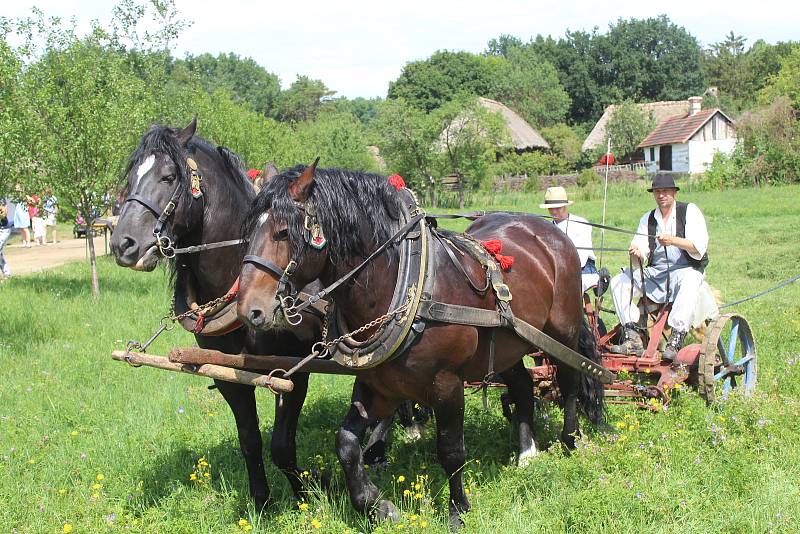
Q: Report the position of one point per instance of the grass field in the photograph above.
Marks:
(92, 445)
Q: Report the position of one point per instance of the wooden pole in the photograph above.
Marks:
(216, 372)
(255, 362)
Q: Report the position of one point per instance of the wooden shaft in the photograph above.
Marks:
(198, 356)
(216, 372)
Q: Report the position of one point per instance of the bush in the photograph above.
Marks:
(531, 164)
(588, 176)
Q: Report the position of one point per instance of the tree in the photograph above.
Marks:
(628, 126)
(89, 102)
(565, 142)
(445, 76)
(501, 45)
(406, 137)
(529, 85)
(471, 136)
(786, 82)
(245, 80)
(302, 100)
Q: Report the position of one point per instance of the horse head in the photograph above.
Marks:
(163, 197)
(285, 250)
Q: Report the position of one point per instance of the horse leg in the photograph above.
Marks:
(449, 413)
(242, 400)
(568, 383)
(283, 447)
(364, 495)
(520, 387)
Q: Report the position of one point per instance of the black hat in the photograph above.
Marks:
(663, 180)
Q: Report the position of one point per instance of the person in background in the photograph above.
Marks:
(50, 211)
(579, 232)
(7, 210)
(37, 221)
(22, 219)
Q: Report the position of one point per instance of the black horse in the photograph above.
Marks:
(200, 194)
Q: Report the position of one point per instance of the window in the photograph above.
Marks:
(714, 128)
(652, 153)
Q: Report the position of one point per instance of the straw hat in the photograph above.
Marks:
(555, 197)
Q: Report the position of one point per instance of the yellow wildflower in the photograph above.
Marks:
(193, 477)
(303, 506)
(315, 523)
(66, 528)
(95, 495)
(31, 461)
(620, 425)
(401, 479)
(100, 476)
(417, 495)
(96, 486)
(243, 522)
(62, 491)
(406, 493)
(417, 486)
(423, 524)
(73, 433)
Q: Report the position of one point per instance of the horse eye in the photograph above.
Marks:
(168, 178)
(281, 235)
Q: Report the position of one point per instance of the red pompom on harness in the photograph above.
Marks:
(232, 293)
(397, 181)
(495, 247)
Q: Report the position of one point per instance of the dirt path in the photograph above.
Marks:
(34, 259)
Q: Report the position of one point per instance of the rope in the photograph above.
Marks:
(785, 283)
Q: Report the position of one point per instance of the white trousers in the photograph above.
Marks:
(685, 285)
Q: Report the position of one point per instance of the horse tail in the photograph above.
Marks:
(590, 391)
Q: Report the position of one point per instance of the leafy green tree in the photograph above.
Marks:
(18, 140)
(565, 142)
(446, 76)
(529, 85)
(470, 139)
(406, 137)
(501, 45)
(786, 82)
(628, 126)
(338, 139)
(246, 81)
(90, 102)
(302, 100)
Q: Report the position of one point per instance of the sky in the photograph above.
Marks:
(357, 47)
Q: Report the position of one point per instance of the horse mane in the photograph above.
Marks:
(347, 203)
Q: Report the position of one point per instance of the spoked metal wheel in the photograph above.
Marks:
(727, 358)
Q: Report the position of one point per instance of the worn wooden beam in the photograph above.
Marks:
(198, 356)
(216, 372)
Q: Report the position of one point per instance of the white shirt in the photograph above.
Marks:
(696, 232)
(580, 234)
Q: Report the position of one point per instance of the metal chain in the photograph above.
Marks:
(202, 309)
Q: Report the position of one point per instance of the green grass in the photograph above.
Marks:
(69, 414)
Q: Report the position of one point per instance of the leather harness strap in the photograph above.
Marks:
(464, 315)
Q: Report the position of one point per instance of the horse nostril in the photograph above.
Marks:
(127, 244)
(256, 317)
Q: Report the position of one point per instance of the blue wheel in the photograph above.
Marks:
(727, 358)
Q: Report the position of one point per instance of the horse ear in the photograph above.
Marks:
(185, 135)
(300, 188)
(270, 170)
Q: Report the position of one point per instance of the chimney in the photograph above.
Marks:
(695, 103)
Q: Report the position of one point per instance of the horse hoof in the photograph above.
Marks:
(261, 502)
(386, 510)
(414, 432)
(526, 457)
(456, 523)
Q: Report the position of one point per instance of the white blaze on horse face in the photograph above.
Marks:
(146, 165)
(263, 218)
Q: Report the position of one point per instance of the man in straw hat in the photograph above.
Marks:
(672, 239)
(556, 202)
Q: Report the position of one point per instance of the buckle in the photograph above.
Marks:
(502, 291)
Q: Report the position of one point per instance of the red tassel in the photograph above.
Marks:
(495, 246)
(397, 181)
(505, 261)
(198, 327)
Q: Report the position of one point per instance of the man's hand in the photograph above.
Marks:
(634, 251)
(666, 239)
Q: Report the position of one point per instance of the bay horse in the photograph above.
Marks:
(359, 215)
(210, 203)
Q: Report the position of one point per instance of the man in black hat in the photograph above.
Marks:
(672, 240)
